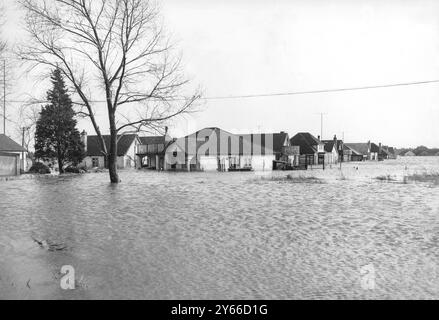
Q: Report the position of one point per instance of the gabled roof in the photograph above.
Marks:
(152, 140)
(384, 150)
(279, 140)
(360, 148)
(353, 152)
(374, 148)
(9, 145)
(229, 143)
(307, 142)
(124, 144)
(329, 145)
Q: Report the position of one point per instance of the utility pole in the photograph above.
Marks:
(4, 96)
(22, 152)
(321, 125)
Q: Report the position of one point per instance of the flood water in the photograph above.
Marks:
(224, 235)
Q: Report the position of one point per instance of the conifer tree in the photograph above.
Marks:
(56, 134)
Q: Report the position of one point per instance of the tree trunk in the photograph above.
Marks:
(60, 161)
(112, 155)
(60, 166)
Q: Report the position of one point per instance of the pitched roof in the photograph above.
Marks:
(360, 148)
(374, 148)
(152, 140)
(353, 151)
(125, 142)
(7, 144)
(229, 143)
(306, 141)
(385, 150)
(279, 141)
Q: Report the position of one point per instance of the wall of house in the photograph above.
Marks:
(331, 157)
(130, 159)
(88, 162)
(208, 163)
(263, 163)
(9, 165)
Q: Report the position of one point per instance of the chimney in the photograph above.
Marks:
(84, 139)
(318, 137)
(167, 137)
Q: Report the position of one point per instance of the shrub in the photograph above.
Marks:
(39, 168)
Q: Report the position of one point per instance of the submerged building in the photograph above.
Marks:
(215, 149)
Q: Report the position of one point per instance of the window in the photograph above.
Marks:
(95, 162)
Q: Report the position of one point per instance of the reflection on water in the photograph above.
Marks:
(223, 236)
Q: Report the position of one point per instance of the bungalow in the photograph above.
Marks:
(11, 153)
(333, 150)
(363, 151)
(409, 154)
(312, 150)
(351, 155)
(214, 149)
(126, 151)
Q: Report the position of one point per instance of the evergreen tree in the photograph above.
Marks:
(56, 134)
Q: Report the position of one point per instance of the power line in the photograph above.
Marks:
(279, 94)
(322, 91)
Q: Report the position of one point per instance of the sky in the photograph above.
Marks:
(246, 47)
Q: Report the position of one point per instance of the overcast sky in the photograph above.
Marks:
(243, 47)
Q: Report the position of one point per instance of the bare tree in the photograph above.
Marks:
(113, 52)
(2, 42)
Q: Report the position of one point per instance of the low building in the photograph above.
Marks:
(333, 151)
(409, 154)
(214, 149)
(126, 151)
(11, 150)
(312, 150)
(363, 151)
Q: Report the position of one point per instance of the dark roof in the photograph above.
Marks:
(385, 151)
(354, 152)
(329, 145)
(247, 143)
(7, 144)
(279, 141)
(306, 141)
(125, 142)
(374, 148)
(360, 148)
(152, 140)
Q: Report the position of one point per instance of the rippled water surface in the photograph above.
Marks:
(224, 236)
